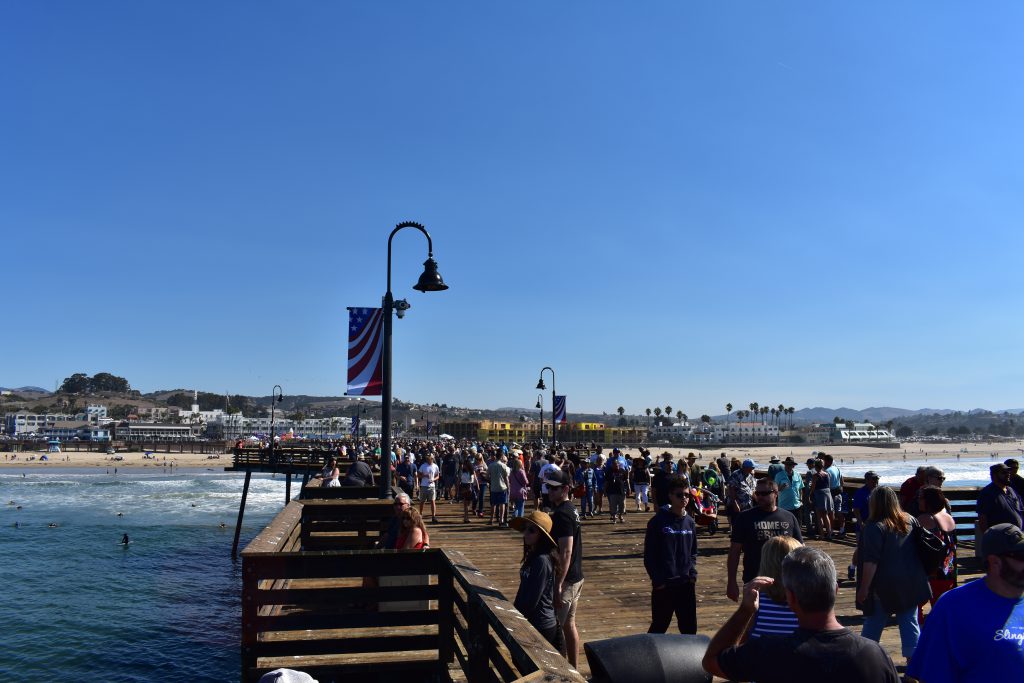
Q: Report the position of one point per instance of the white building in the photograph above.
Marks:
(678, 431)
(752, 432)
(860, 432)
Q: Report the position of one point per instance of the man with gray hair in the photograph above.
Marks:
(819, 650)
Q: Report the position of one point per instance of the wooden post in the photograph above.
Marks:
(446, 610)
(288, 486)
(250, 584)
(241, 511)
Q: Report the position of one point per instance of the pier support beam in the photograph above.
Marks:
(288, 488)
(241, 512)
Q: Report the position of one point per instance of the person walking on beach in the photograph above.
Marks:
(821, 649)
(751, 528)
(670, 558)
(974, 632)
(567, 532)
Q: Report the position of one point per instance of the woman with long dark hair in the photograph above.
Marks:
(935, 518)
(535, 598)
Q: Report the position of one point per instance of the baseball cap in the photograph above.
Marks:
(1002, 539)
(810, 462)
(871, 474)
(749, 463)
(556, 478)
(998, 467)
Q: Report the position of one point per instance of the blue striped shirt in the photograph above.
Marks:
(773, 619)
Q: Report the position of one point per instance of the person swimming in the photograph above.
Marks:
(52, 525)
(120, 514)
(124, 540)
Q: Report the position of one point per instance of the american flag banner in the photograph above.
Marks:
(365, 352)
(354, 429)
(560, 409)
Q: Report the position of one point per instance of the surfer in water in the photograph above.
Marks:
(124, 540)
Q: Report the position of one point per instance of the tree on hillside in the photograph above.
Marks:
(904, 432)
(77, 383)
(80, 383)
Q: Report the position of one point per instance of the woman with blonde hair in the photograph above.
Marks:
(892, 578)
(773, 614)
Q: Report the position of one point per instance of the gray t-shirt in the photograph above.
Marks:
(900, 581)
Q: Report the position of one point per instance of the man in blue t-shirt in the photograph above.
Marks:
(975, 632)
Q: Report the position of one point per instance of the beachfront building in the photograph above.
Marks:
(859, 432)
(23, 422)
(675, 433)
(153, 431)
(753, 432)
(523, 432)
(234, 426)
(77, 430)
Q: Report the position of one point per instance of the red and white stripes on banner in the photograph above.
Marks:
(365, 352)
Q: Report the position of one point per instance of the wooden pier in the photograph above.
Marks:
(305, 604)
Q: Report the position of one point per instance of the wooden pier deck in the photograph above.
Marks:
(616, 592)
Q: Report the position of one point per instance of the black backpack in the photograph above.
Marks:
(931, 549)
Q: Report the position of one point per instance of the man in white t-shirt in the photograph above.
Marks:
(429, 474)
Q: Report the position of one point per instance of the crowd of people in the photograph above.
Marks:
(905, 558)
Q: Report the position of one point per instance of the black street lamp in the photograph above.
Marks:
(276, 396)
(540, 406)
(430, 281)
(540, 385)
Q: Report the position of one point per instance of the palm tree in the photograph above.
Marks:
(668, 410)
(683, 416)
(621, 411)
(790, 410)
(648, 418)
(753, 408)
(657, 412)
(774, 413)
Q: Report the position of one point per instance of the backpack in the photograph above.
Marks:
(931, 549)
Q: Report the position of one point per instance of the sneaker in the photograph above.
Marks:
(851, 573)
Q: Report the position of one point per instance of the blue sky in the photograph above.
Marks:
(669, 202)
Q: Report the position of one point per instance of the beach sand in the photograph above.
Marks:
(845, 455)
(130, 460)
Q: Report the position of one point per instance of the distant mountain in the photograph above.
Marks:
(25, 390)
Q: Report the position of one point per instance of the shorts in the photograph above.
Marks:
(499, 497)
(823, 501)
(837, 500)
(466, 492)
(570, 599)
(428, 493)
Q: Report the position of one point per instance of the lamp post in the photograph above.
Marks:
(276, 396)
(540, 385)
(430, 281)
(540, 406)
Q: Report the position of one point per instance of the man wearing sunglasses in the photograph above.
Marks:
(751, 528)
(975, 632)
(670, 557)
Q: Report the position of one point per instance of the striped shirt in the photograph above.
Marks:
(773, 619)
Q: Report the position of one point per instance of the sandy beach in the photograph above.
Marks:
(845, 455)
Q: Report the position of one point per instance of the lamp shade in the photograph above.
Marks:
(540, 383)
(430, 280)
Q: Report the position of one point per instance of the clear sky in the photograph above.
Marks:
(689, 203)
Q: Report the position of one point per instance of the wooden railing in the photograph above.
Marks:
(307, 605)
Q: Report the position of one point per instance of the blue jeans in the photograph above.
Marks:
(910, 630)
(481, 497)
(587, 502)
(517, 507)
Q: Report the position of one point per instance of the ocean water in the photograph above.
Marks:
(77, 605)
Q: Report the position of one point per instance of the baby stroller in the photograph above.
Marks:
(704, 506)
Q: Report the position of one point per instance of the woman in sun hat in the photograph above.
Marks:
(536, 596)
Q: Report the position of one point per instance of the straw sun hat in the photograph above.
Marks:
(539, 519)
